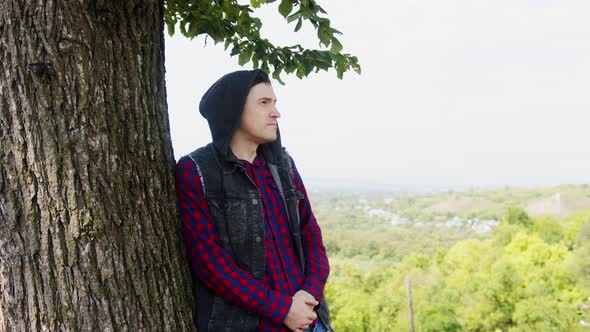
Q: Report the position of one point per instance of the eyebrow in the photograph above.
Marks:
(267, 98)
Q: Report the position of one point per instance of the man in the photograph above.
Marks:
(254, 245)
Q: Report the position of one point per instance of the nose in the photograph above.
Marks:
(275, 113)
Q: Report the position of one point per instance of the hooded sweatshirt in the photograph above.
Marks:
(222, 105)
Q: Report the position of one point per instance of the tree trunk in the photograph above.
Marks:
(89, 231)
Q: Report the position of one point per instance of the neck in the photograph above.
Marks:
(244, 149)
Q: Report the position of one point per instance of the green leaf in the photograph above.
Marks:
(357, 69)
(323, 20)
(355, 65)
(294, 16)
(336, 46)
(277, 76)
(257, 24)
(300, 73)
(245, 56)
(235, 50)
(182, 27)
(291, 67)
(308, 66)
(335, 31)
(298, 26)
(307, 14)
(324, 35)
(285, 8)
(193, 29)
(171, 28)
(255, 60)
(265, 66)
(227, 42)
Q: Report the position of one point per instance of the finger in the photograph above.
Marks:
(310, 297)
(311, 301)
(313, 316)
(305, 296)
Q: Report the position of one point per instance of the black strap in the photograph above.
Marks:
(293, 224)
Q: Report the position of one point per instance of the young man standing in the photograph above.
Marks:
(254, 245)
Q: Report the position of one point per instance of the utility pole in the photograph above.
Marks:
(411, 309)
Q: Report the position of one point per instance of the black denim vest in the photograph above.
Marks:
(236, 207)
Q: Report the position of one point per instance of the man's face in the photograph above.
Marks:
(259, 119)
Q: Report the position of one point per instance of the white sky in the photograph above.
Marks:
(456, 92)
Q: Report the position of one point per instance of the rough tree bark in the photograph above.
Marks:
(89, 237)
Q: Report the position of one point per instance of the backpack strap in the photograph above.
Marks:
(294, 225)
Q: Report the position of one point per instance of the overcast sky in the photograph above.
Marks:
(466, 92)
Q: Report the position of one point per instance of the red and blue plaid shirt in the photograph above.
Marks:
(283, 275)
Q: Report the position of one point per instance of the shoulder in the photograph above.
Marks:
(189, 164)
(189, 178)
(192, 159)
(183, 160)
(202, 152)
(185, 167)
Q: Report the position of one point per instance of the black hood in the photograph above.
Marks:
(222, 105)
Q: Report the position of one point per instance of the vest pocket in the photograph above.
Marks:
(230, 217)
(229, 206)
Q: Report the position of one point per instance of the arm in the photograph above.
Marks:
(209, 260)
(317, 267)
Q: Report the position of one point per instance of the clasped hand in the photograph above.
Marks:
(301, 314)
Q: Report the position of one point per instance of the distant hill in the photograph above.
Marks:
(429, 205)
(462, 204)
(558, 201)
(558, 204)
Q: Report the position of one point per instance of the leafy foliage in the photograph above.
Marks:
(529, 274)
(228, 22)
(517, 216)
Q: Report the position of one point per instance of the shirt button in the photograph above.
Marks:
(258, 239)
(254, 201)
